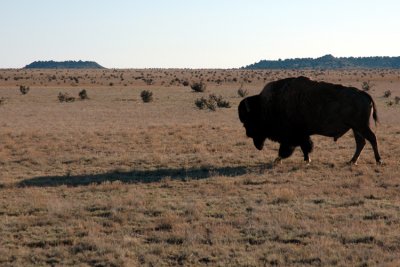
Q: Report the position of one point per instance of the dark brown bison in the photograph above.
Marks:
(290, 110)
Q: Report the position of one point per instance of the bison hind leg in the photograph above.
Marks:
(367, 133)
(307, 146)
(360, 143)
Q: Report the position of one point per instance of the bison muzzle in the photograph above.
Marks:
(290, 110)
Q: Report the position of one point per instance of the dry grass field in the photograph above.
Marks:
(113, 181)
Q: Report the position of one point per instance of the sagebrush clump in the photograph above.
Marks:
(198, 87)
(147, 96)
(24, 89)
(201, 103)
(212, 102)
(366, 86)
(83, 95)
(65, 97)
(221, 103)
(387, 93)
(242, 92)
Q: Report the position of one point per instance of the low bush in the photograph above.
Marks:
(147, 96)
(198, 87)
(387, 93)
(221, 103)
(201, 103)
(24, 89)
(65, 97)
(242, 92)
(366, 86)
(83, 95)
(212, 102)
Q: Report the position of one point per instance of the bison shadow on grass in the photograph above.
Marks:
(134, 176)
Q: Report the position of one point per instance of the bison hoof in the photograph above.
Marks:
(352, 162)
(307, 162)
(380, 163)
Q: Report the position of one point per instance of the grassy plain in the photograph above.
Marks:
(113, 181)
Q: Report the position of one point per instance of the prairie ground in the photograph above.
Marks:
(113, 181)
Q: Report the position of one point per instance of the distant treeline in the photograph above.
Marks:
(329, 62)
(63, 65)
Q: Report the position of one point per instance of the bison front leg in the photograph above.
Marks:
(306, 146)
(285, 151)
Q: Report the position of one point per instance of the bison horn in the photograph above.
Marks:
(246, 103)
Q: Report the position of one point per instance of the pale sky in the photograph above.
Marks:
(194, 33)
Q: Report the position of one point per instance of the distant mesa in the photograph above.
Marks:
(329, 62)
(64, 65)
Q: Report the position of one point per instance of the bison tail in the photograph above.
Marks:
(374, 110)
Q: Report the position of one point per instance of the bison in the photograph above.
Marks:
(289, 111)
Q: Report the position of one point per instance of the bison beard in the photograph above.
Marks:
(258, 143)
(290, 110)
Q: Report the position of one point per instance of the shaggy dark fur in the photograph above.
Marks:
(290, 110)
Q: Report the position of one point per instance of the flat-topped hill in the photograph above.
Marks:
(64, 65)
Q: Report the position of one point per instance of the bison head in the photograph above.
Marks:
(250, 114)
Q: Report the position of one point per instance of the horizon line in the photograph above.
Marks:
(183, 68)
